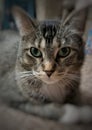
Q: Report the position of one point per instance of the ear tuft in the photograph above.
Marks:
(24, 23)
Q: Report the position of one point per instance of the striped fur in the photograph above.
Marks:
(49, 77)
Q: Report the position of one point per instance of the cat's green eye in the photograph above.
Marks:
(35, 52)
(63, 52)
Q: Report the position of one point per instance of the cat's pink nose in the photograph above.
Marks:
(49, 73)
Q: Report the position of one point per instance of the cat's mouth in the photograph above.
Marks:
(49, 80)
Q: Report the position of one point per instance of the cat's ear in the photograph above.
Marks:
(76, 20)
(24, 23)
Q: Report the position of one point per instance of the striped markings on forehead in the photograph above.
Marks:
(48, 31)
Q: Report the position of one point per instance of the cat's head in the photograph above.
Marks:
(50, 50)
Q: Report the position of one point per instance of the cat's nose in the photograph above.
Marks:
(49, 73)
(49, 67)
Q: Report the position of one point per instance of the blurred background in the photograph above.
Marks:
(6, 19)
(40, 9)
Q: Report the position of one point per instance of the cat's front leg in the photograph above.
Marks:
(48, 111)
(67, 113)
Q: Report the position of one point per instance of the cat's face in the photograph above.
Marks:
(50, 51)
(50, 54)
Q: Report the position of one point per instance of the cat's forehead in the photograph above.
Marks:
(49, 28)
(51, 33)
(48, 31)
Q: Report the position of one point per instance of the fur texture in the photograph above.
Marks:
(55, 74)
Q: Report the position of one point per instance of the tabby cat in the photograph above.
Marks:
(48, 67)
(50, 57)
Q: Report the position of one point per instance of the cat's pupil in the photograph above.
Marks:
(35, 52)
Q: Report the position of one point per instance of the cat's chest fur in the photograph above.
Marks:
(60, 93)
(39, 92)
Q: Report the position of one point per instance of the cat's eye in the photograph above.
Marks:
(35, 52)
(63, 52)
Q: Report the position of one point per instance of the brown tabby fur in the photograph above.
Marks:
(32, 73)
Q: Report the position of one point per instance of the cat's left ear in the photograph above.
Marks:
(76, 21)
(24, 23)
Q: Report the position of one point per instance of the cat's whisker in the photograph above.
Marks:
(68, 78)
(61, 74)
(67, 82)
(24, 75)
(26, 78)
(28, 74)
(25, 72)
(72, 77)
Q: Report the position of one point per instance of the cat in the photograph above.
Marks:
(40, 48)
(49, 60)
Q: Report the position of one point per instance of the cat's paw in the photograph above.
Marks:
(76, 114)
(49, 111)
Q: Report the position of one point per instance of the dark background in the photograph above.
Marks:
(7, 19)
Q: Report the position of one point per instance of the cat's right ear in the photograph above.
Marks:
(77, 20)
(24, 23)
